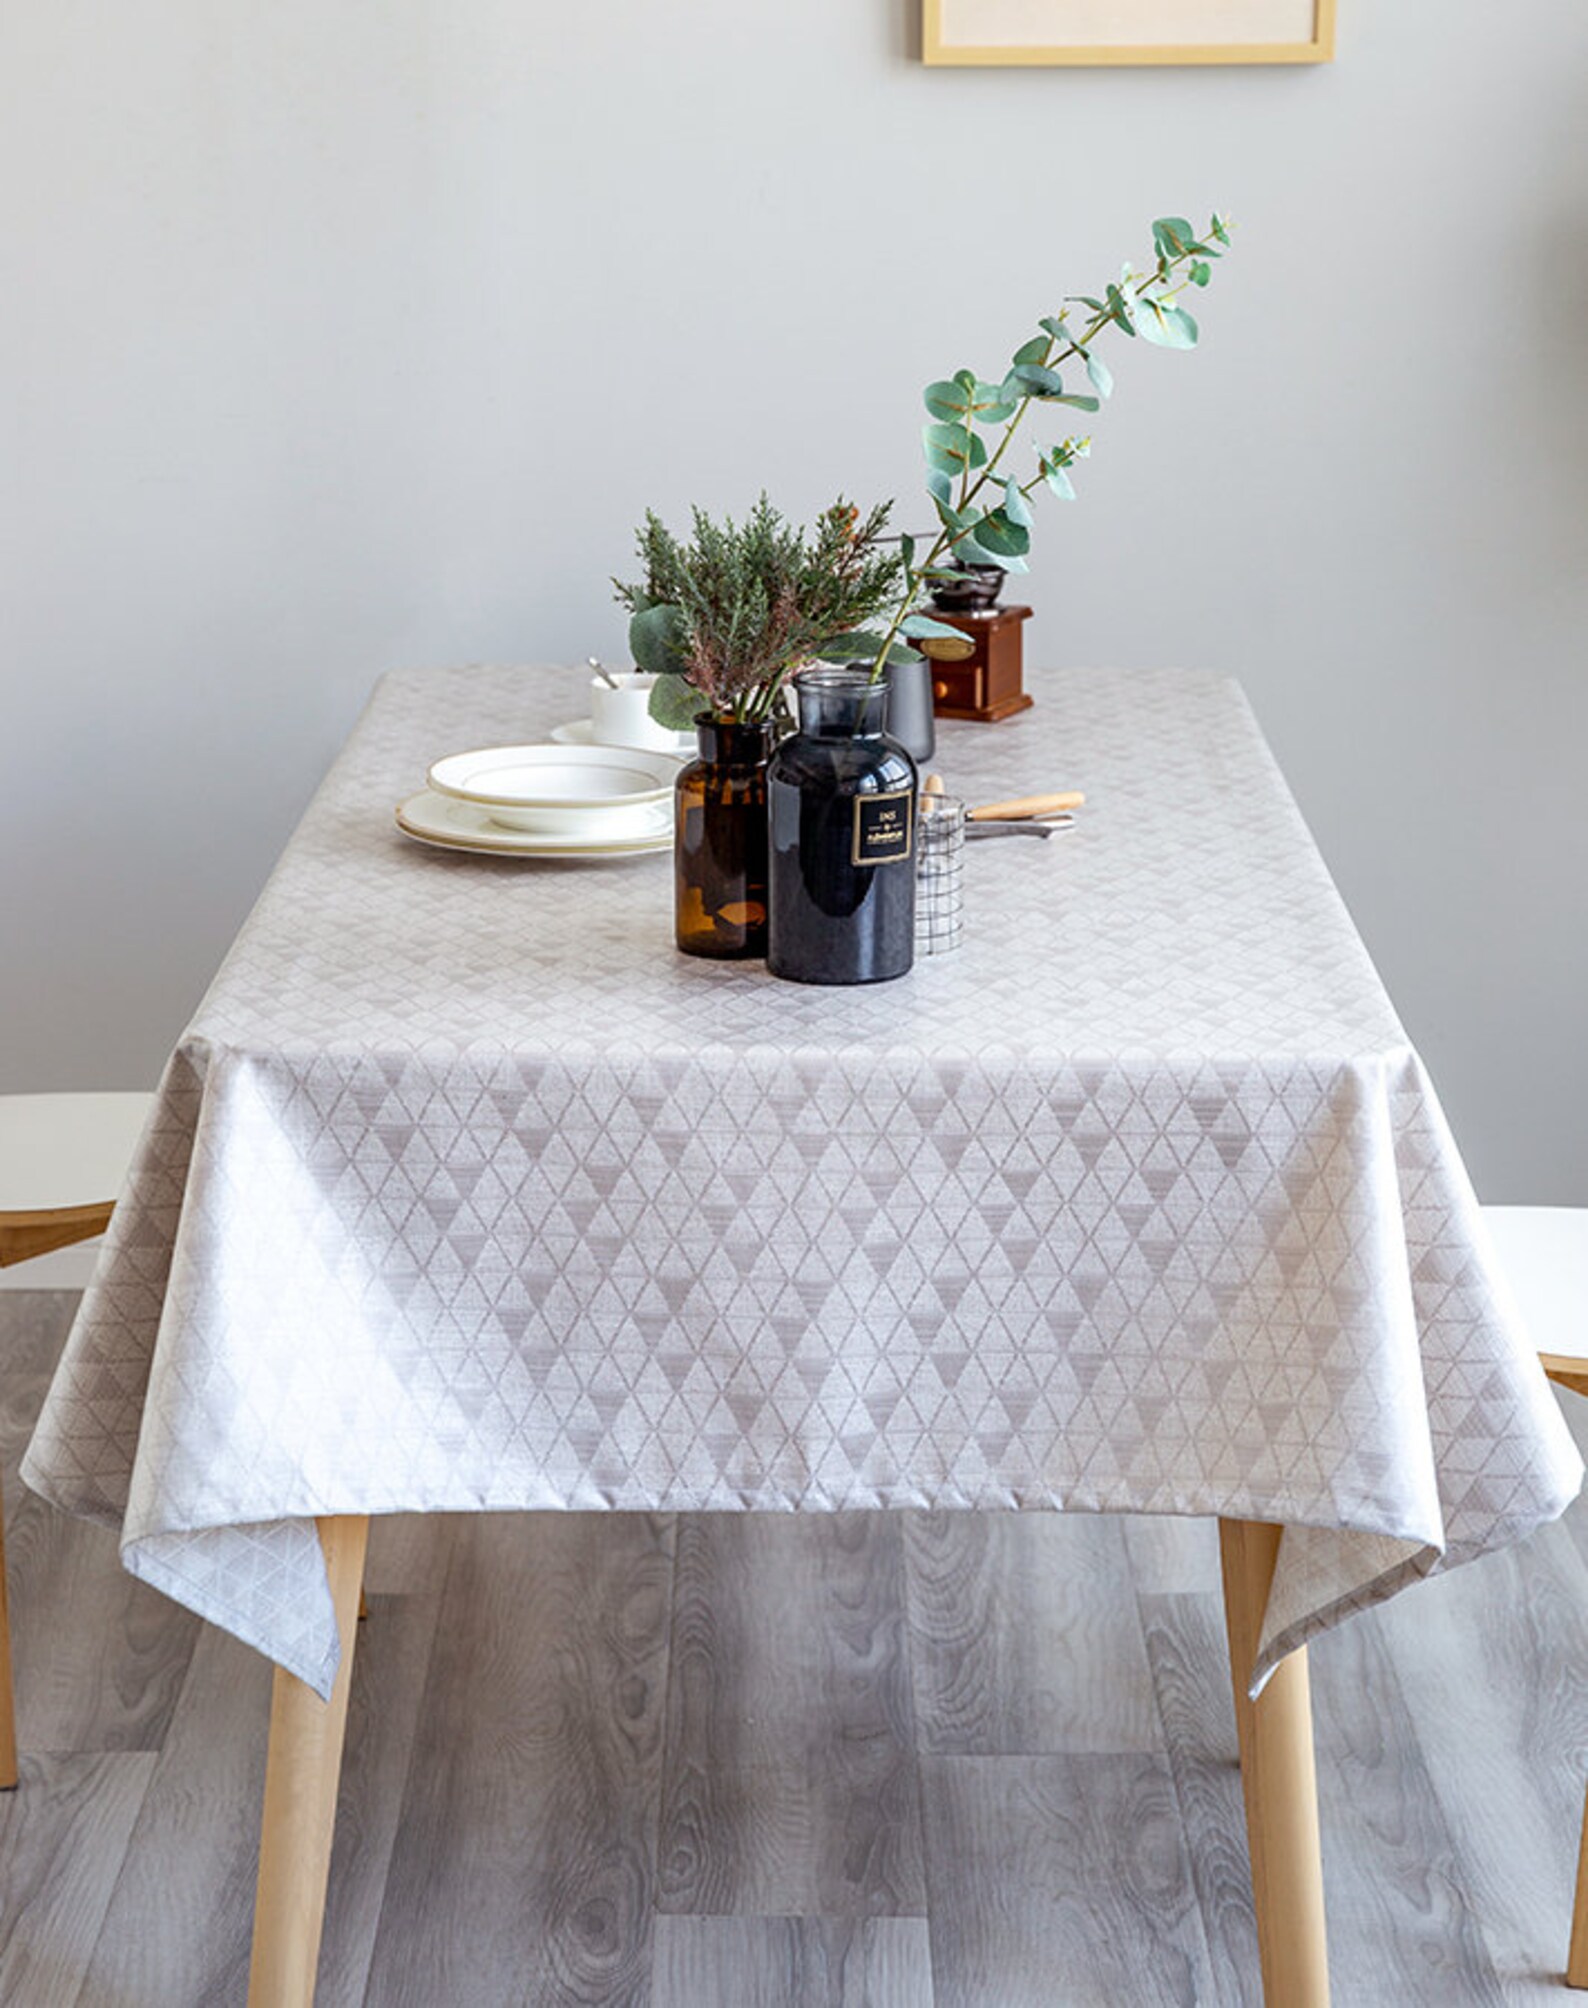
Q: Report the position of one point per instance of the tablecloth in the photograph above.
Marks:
(464, 1191)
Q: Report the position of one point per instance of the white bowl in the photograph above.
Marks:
(620, 713)
(562, 790)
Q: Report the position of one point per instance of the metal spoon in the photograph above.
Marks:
(974, 832)
(1005, 824)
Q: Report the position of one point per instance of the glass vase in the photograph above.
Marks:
(841, 800)
(720, 843)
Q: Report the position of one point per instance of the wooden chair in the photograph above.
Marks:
(1544, 1251)
(63, 1159)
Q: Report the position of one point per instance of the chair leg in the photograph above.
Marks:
(8, 1720)
(302, 1772)
(1279, 1781)
(1577, 1957)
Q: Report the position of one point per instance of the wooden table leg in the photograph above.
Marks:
(301, 1777)
(1279, 1781)
(1577, 1957)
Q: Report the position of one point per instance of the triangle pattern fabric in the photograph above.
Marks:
(464, 1191)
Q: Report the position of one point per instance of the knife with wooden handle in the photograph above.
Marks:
(1025, 806)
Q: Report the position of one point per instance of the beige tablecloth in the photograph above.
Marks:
(465, 1191)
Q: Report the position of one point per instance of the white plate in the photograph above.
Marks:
(455, 825)
(578, 730)
(579, 792)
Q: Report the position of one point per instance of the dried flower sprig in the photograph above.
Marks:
(724, 618)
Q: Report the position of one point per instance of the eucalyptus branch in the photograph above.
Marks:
(1076, 346)
(725, 618)
(961, 404)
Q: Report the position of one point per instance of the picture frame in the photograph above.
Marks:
(1108, 32)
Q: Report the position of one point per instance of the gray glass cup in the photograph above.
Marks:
(910, 718)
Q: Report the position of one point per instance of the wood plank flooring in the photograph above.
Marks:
(865, 1761)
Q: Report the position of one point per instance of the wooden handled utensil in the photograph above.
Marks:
(1025, 806)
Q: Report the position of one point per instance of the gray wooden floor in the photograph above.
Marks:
(882, 1760)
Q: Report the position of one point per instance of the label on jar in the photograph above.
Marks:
(884, 828)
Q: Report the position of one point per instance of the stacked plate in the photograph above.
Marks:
(552, 801)
(581, 732)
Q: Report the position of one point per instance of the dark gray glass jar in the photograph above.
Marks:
(841, 811)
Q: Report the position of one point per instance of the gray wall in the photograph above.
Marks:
(361, 335)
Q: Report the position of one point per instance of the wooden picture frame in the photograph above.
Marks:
(1107, 32)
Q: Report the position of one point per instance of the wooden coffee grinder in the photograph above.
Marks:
(979, 676)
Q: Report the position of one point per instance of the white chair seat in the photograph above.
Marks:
(1544, 1253)
(65, 1151)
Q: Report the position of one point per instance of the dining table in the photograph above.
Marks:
(465, 1192)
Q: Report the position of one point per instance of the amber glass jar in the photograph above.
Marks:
(719, 842)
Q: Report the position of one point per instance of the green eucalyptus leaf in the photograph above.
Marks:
(657, 638)
(996, 533)
(1036, 380)
(963, 404)
(907, 553)
(1119, 310)
(675, 704)
(1086, 300)
(964, 519)
(1032, 351)
(1172, 236)
(1168, 327)
(1102, 376)
(939, 484)
(1006, 562)
(966, 379)
(950, 401)
(1055, 325)
(1056, 478)
(1016, 507)
(992, 407)
(961, 525)
(942, 459)
(919, 626)
(1080, 403)
(856, 646)
(1201, 273)
(954, 447)
(862, 647)
(1219, 229)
